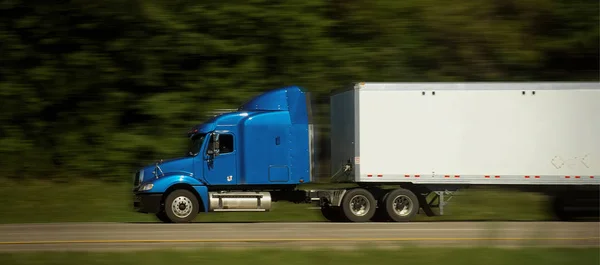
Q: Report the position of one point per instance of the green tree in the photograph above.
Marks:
(98, 88)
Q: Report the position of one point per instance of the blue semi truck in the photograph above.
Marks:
(407, 146)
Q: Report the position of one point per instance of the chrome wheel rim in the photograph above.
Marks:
(359, 205)
(402, 205)
(182, 207)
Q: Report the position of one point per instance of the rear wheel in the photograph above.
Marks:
(558, 207)
(380, 216)
(358, 205)
(576, 206)
(381, 212)
(401, 205)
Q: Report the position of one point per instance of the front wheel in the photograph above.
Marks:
(162, 216)
(181, 206)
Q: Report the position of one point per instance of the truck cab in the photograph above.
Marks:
(266, 144)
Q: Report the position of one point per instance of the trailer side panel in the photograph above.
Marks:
(479, 133)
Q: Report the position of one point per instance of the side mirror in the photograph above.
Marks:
(214, 150)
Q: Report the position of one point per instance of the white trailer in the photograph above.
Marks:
(439, 137)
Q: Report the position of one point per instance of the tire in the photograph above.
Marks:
(162, 216)
(558, 209)
(185, 209)
(380, 216)
(332, 214)
(402, 196)
(356, 198)
(381, 213)
(570, 207)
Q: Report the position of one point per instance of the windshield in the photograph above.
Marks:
(196, 144)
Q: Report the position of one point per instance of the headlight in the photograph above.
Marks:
(146, 187)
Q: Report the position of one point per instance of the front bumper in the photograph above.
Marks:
(147, 202)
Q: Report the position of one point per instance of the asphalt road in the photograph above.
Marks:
(136, 236)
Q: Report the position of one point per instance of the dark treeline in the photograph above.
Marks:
(97, 88)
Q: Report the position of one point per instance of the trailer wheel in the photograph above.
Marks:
(358, 205)
(558, 209)
(181, 206)
(575, 206)
(380, 215)
(381, 212)
(401, 205)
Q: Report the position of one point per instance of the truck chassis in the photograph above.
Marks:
(363, 203)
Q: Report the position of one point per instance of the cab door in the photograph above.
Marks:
(221, 168)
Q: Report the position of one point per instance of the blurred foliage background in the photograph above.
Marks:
(96, 88)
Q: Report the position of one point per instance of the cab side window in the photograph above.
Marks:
(225, 143)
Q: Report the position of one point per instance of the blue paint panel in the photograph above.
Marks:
(203, 192)
(181, 165)
(163, 183)
(292, 99)
(224, 119)
(299, 153)
(297, 107)
(279, 174)
(269, 101)
(203, 128)
(259, 144)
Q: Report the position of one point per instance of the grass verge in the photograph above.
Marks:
(89, 200)
(449, 256)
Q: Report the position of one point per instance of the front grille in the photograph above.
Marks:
(136, 179)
